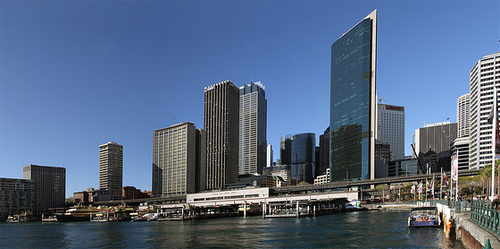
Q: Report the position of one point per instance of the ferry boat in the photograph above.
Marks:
(77, 213)
(424, 217)
(20, 218)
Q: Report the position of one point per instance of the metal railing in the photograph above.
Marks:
(484, 215)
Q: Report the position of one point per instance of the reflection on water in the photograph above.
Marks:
(352, 230)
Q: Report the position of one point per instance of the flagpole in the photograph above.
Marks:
(494, 142)
(441, 185)
(433, 186)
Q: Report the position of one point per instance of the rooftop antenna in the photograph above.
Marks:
(252, 79)
(188, 117)
(174, 119)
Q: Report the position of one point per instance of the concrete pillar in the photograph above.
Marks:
(263, 210)
(314, 210)
(182, 214)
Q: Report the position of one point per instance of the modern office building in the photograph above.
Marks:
(382, 151)
(298, 151)
(461, 148)
(353, 102)
(463, 115)
(436, 137)
(403, 167)
(253, 126)
(482, 83)
(17, 196)
(50, 186)
(110, 171)
(178, 160)
(323, 157)
(221, 121)
(391, 128)
(269, 156)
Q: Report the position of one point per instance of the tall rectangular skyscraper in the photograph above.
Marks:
(391, 128)
(110, 171)
(353, 102)
(50, 186)
(482, 84)
(463, 115)
(178, 162)
(253, 126)
(221, 121)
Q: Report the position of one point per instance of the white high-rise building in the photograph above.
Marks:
(253, 125)
(269, 158)
(484, 77)
(391, 128)
(463, 115)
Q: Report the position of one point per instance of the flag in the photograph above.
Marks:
(432, 185)
(444, 179)
(427, 186)
(413, 189)
(454, 168)
(419, 188)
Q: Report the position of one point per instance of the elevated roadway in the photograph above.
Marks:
(348, 184)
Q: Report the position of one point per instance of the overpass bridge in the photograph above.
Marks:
(348, 184)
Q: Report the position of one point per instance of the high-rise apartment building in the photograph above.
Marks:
(221, 121)
(253, 125)
(462, 142)
(463, 115)
(269, 156)
(483, 79)
(178, 160)
(298, 151)
(110, 171)
(436, 137)
(391, 128)
(353, 102)
(50, 186)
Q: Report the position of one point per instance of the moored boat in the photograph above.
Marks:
(77, 213)
(424, 217)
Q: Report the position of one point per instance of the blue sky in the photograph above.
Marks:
(77, 74)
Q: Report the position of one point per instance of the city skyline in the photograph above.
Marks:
(59, 67)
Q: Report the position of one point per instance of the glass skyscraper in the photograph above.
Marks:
(298, 151)
(353, 102)
(253, 125)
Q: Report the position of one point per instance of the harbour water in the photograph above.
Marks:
(370, 229)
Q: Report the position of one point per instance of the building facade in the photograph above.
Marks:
(461, 148)
(50, 186)
(403, 167)
(353, 102)
(483, 79)
(110, 171)
(221, 121)
(436, 137)
(298, 151)
(17, 196)
(391, 128)
(323, 157)
(253, 126)
(463, 115)
(178, 160)
(269, 155)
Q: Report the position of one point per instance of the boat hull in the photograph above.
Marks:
(72, 218)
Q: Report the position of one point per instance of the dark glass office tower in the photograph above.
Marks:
(298, 151)
(353, 102)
